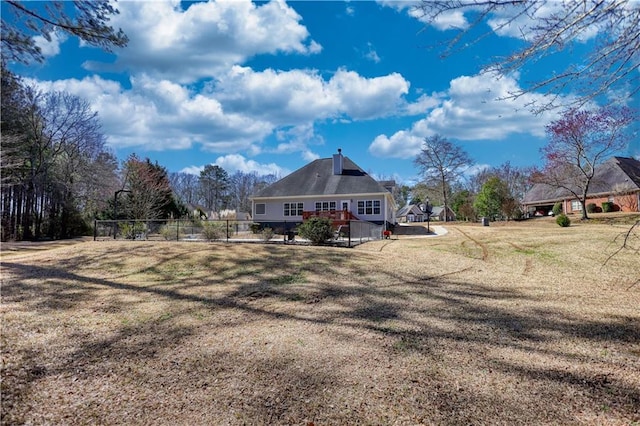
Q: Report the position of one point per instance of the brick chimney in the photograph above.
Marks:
(338, 160)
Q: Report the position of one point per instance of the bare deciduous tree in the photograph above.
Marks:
(442, 161)
(550, 27)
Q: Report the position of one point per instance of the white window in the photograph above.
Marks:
(261, 208)
(293, 209)
(369, 207)
(323, 206)
(576, 206)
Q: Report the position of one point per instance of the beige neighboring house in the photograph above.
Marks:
(410, 213)
(438, 212)
(616, 181)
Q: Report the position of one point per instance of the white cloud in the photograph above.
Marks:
(367, 98)
(237, 112)
(448, 20)
(371, 54)
(445, 21)
(505, 21)
(160, 115)
(423, 104)
(205, 39)
(473, 108)
(234, 163)
(302, 96)
(237, 163)
(508, 23)
(50, 48)
(402, 144)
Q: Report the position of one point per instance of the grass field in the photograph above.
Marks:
(516, 323)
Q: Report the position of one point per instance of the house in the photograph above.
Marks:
(617, 181)
(437, 213)
(230, 215)
(333, 187)
(410, 213)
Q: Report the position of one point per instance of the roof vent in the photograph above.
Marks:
(338, 161)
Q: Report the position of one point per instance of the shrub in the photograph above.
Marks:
(563, 220)
(557, 209)
(592, 208)
(316, 229)
(213, 230)
(607, 206)
(133, 230)
(255, 228)
(171, 231)
(267, 234)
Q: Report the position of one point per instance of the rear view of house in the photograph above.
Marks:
(335, 186)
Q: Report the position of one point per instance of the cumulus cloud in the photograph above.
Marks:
(160, 115)
(445, 21)
(473, 108)
(508, 23)
(367, 98)
(210, 37)
(188, 87)
(51, 47)
(237, 112)
(237, 163)
(298, 96)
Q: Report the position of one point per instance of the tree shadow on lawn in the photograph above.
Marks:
(405, 310)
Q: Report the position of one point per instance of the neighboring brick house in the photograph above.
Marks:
(617, 181)
(335, 187)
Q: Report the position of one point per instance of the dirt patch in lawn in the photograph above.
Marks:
(501, 324)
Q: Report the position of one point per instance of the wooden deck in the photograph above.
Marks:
(337, 217)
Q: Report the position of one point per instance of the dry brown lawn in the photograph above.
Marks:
(507, 324)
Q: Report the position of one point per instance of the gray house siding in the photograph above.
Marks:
(337, 183)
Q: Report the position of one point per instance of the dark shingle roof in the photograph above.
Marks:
(409, 208)
(317, 178)
(617, 173)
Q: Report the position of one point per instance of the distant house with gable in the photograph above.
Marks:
(410, 213)
(334, 187)
(438, 213)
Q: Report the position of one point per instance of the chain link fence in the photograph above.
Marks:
(353, 233)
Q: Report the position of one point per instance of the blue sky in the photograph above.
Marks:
(268, 87)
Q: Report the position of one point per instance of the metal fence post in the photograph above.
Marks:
(95, 229)
(178, 230)
(227, 223)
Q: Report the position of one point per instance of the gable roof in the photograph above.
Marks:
(438, 210)
(317, 178)
(409, 209)
(617, 173)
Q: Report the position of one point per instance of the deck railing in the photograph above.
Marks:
(334, 215)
